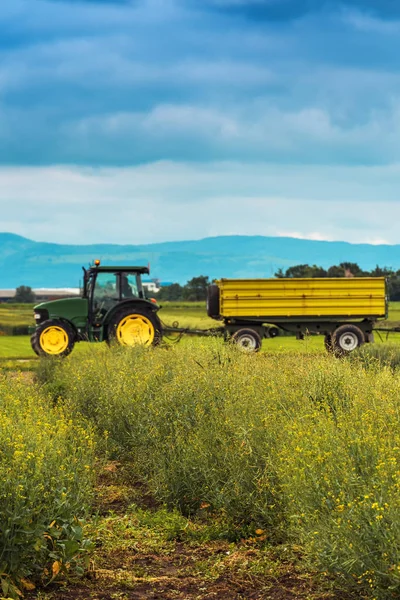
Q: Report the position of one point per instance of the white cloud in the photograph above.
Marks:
(170, 201)
(313, 235)
(256, 130)
(122, 84)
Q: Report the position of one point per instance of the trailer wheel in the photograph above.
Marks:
(273, 332)
(347, 338)
(328, 342)
(53, 338)
(133, 326)
(247, 340)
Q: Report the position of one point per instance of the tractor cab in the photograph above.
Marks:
(106, 287)
(113, 306)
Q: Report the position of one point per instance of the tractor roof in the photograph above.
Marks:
(119, 269)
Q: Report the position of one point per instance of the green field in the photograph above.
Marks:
(188, 314)
(17, 346)
(191, 315)
(16, 314)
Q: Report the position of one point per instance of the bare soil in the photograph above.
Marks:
(178, 570)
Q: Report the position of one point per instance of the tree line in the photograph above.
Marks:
(195, 290)
(346, 269)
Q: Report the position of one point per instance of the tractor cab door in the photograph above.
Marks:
(130, 286)
(104, 295)
(108, 289)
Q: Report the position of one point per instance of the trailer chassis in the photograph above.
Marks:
(341, 336)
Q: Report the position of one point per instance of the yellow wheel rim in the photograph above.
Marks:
(135, 330)
(54, 340)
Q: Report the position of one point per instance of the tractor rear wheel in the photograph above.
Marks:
(53, 338)
(133, 326)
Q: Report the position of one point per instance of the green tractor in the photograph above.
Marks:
(113, 306)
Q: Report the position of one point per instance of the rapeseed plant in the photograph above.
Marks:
(46, 472)
(305, 448)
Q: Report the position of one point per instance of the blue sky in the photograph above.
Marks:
(150, 120)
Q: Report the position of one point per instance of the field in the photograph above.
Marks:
(192, 315)
(194, 471)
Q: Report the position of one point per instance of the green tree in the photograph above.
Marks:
(354, 269)
(302, 271)
(297, 271)
(170, 293)
(196, 288)
(335, 271)
(382, 272)
(280, 274)
(394, 288)
(346, 269)
(24, 294)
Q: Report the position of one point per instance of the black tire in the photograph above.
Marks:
(273, 332)
(213, 301)
(133, 325)
(53, 338)
(328, 343)
(346, 339)
(34, 344)
(247, 339)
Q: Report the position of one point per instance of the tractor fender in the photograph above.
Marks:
(134, 303)
(67, 322)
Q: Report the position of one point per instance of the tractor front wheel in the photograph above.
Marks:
(133, 326)
(53, 338)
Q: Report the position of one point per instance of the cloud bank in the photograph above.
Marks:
(199, 118)
(178, 201)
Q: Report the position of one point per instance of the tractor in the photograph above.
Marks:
(113, 307)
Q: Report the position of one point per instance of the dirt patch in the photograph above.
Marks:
(144, 552)
(188, 573)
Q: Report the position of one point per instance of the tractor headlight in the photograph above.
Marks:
(40, 315)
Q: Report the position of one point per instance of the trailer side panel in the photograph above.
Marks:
(350, 298)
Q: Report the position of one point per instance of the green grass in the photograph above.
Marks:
(18, 346)
(394, 313)
(192, 315)
(186, 315)
(16, 314)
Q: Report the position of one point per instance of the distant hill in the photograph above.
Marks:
(40, 264)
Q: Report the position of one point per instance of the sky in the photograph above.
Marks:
(138, 121)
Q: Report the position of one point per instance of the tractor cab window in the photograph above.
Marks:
(129, 287)
(105, 292)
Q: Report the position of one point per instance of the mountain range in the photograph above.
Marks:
(41, 264)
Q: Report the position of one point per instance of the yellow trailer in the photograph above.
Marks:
(343, 309)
